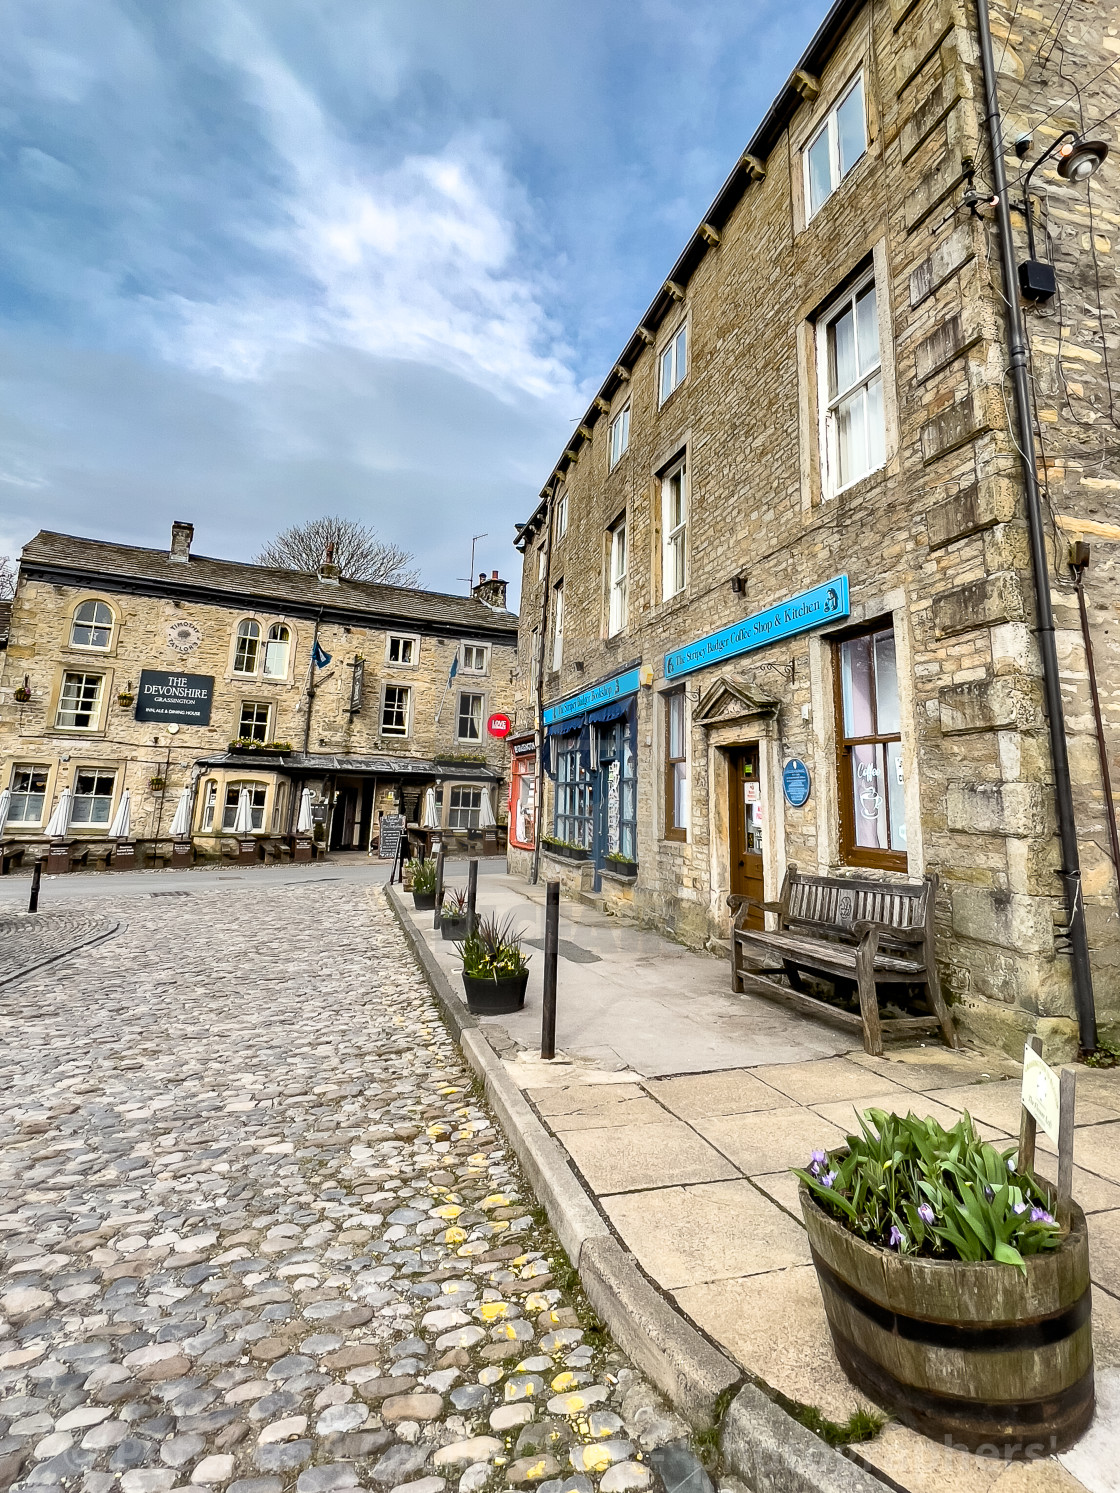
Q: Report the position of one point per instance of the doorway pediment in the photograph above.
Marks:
(729, 701)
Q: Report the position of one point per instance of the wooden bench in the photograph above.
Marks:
(852, 932)
(10, 855)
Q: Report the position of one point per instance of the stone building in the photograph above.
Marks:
(778, 590)
(158, 670)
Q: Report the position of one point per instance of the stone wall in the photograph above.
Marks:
(935, 540)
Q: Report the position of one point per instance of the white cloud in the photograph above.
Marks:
(416, 261)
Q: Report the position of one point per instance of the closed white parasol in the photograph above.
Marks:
(60, 819)
(5, 806)
(181, 824)
(121, 827)
(243, 822)
(429, 819)
(486, 818)
(304, 822)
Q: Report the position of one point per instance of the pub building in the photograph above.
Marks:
(778, 604)
(215, 692)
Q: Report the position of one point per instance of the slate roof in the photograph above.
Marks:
(50, 556)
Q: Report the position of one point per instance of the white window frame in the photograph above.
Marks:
(477, 669)
(472, 810)
(402, 637)
(279, 636)
(95, 711)
(674, 537)
(830, 404)
(256, 788)
(480, 698)
(255, 705)
(557, 625)
(396, 734)
(617, 582)
(209, 798)
(562, 514)
(540, 563)
(247, 623)
(619, 432)
(830, 129)
(31, 768)
(673, 361)
(91, 798)
(95, 602)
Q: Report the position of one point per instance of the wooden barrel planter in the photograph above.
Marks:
(978, 1353)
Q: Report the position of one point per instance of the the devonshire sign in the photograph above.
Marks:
(824, 603)
(185, 698)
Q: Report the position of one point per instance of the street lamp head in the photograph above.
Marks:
(1078, 159)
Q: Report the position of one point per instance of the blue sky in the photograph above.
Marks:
(266, 259)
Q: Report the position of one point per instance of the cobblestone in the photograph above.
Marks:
(261, 1235)
(29, 940)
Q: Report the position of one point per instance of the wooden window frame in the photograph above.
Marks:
(852, 854)
(674, 831)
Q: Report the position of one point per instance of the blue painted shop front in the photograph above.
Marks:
(592, 759)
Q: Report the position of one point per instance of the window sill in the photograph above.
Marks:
(860, 486)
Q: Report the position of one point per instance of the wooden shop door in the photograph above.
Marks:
(745, 819)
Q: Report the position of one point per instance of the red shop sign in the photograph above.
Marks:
(499, 724)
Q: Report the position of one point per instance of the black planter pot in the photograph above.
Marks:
(567, 852)
(453, 929)
(495, 997)
(628, 869)
(424, 901)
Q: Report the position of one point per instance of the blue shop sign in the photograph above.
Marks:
(596, 695)
(824, 603)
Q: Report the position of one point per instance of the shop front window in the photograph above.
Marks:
(93, 797)
(573, 796)
(464, 808)
(29, 794)
(523, 801)
(617, 758)
(256, 793)
(872, 796)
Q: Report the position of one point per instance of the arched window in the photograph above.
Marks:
(276, 652)
(93, 626)
(248, 647)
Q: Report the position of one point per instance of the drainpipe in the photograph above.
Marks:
(535, 867)
(311, 684)
(1070, 872)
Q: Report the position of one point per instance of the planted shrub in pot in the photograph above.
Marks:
(495, 970)
(620, 865)
(423, 884)
(453, 916)
(953, 1296)
(567, 850)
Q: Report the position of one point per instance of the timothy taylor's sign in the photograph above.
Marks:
(825, 603)
(175, 697)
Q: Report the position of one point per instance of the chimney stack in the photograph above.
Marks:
(328, 570)
(492, 591)
(181, 536)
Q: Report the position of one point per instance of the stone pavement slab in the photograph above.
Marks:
(685, 1236)
(626, 1158)
(770, 1138)
(699, 1096)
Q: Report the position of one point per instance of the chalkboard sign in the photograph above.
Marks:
(392, 827)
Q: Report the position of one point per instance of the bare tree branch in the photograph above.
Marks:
(359, 554)
(7, 578)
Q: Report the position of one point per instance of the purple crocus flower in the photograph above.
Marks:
(1040, 1215)
(828, 1179)
(817, 1162)
(926, 1213)
(1019, 1208)
(989, 1192)
(897, 1237)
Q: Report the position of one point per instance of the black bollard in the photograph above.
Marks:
(439, 887)
(36, 878)
(551, 950)
(472, 894)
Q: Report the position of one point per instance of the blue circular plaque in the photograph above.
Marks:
(796, 783)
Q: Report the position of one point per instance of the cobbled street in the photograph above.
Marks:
(260, 1234)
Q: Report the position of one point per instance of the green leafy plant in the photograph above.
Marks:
(620, 859)
(1106, 1054)
(493, 951)
(910, 1185)
(563, 844)
(454, 906)
(423, 876)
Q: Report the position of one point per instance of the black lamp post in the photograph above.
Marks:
(1077, 160)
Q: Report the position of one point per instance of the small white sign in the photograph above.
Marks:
(1041, 1092)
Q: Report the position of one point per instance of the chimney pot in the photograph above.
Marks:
(491, 590)
(181, 536)
(328, 570)
(493, 575)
